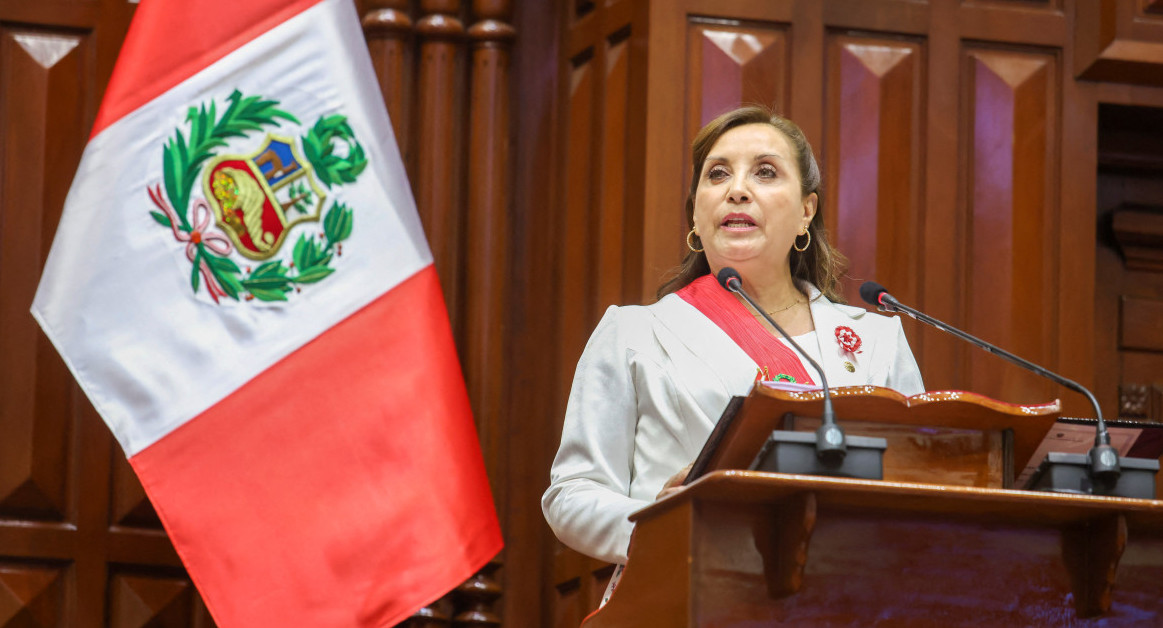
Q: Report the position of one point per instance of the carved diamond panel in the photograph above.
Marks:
(1013, 206)
(577, 258)
(137, 601)
(130, 507)
(612, 211)
(733, 64)
(42, 79)
(873, 167)
(31, 596)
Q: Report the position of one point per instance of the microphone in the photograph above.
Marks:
(831, 443)
(1102, 463)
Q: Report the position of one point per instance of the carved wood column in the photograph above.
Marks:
(421, 70)
(486, 270)
(436, 181)
(388, 29)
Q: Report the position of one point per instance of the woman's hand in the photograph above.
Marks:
(674, 484)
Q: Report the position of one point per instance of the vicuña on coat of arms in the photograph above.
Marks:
(255, 199)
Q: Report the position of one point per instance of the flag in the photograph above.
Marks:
(241, 285)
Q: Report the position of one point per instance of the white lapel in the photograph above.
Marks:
(708, 342)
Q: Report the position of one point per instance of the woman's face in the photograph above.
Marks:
(748, 206)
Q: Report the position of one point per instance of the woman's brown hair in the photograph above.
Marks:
(820, 265)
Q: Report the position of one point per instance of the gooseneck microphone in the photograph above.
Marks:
(1103, 459)
(831, 443)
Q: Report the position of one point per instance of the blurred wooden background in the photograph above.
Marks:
(993, 162)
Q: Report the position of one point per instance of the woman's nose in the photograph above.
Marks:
(738, 191)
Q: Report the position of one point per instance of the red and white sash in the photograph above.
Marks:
(773, 359)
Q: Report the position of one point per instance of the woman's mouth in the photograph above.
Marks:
(737, 222)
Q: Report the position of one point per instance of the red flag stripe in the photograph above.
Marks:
(388, 508)
(171, 40)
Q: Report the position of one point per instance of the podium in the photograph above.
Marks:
(740, 547)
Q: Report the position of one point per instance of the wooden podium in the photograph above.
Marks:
(739, 547)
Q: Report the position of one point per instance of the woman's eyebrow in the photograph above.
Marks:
(756, 158)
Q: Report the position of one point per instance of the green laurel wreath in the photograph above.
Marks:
(182, 162)
(319, 146)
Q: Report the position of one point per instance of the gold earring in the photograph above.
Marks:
(806, 244)
(690, 245)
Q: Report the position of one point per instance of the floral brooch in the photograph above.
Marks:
(848, 339)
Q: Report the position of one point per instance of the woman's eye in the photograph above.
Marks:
(766, 172)
(717, 174)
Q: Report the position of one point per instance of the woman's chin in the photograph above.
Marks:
(741, 256)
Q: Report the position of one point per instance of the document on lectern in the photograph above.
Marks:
(1076, 436)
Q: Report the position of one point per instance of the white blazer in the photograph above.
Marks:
(649, 388)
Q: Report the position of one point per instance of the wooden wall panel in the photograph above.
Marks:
(938, 353)
(579, 583)
(610, 209)
(599, 239)
(874, 158)
(1141, 324)
(574, 284)
(143, 601)
(1012, 176)
(731, 62)
(600, 235)
(129, 506)
(575, 291)
(1119, 41)
(40, 71)
(70, 507)
(33, 595)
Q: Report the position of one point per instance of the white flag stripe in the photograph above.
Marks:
(145, 379)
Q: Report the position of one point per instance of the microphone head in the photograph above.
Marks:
(726, 275)
(870, 291)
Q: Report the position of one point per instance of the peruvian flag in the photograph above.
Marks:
(241, 285)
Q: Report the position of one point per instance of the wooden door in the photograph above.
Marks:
(80, 545)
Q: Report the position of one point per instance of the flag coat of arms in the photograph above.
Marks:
(241, 285)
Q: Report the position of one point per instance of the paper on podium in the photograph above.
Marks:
(1073, 437)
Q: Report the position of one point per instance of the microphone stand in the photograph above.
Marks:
(1098, 472)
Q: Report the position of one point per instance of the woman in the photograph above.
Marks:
(653, 380)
